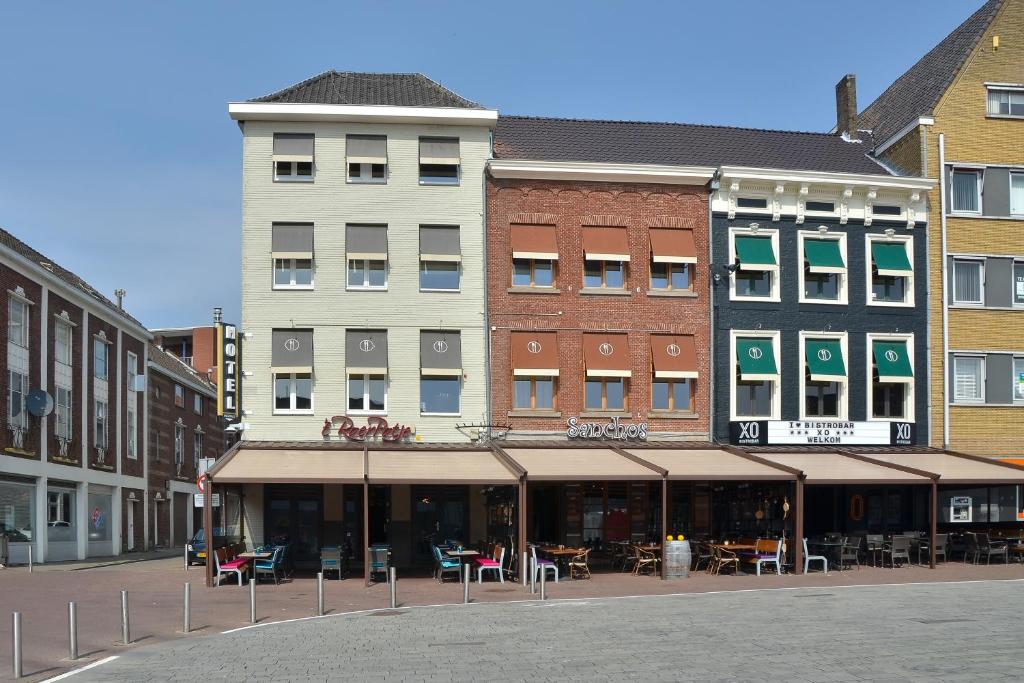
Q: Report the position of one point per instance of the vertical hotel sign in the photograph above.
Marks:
(228, 370)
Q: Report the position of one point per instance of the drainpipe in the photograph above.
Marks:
(713, 186)
(487, 296)
(942, 289)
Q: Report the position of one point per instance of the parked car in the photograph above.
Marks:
(197, 547)
(13, 535)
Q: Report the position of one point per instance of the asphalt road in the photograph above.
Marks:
(943, 631)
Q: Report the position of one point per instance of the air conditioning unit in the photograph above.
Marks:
(140, 383)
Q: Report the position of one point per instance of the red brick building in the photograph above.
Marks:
(597, 295)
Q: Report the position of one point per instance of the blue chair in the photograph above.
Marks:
(445, 565)
(380, 558)
(272, 566)
(330, 560)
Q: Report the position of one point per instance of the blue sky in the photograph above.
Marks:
(118, 159)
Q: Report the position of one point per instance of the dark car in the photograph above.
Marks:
(197, 547)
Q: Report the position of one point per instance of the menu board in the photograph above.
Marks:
(960, 509)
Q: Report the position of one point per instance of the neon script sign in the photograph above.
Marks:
(375, 428)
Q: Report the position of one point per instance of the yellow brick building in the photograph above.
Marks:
(957, 116)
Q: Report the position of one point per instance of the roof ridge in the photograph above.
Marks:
(192, 372)
(668, 123)
(446, 88)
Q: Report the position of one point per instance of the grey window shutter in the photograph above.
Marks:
(366, 352)
(292, 351)
(440, 243)
(999, 378)
(292, 240)
(999, 282)
(366, 149)
(293, 146)
(440, 352)
(366, 242)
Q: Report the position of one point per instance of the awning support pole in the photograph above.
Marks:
(934, 522)
(208, 530)
(798, 527)
(522, 525)
(366, 514)
(664, 526)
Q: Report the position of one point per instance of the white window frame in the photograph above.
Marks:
(197, 403)
(1016, 210)
(65, 411)
(291, 394)
(776, 337)
(909, 395)
(1011, 89)
(908, 244)
(132, 369)
(844, 386)
(291, 271)
(96, 344)
(980, 173)
(419, 275)
(366, 286)
(21, 378)
(979, 400)
(101, 425)
(457, 378)
(294, 177)
(61, 326)
(179, 390)
(179, 445)
(825, 200)
(197, 447)
(981, 284)
(738, 231)
(844, 297)
(1014, 380)
(1013, 283)
(365, 174)
(26, 317)
(767, 209)
(366, 394)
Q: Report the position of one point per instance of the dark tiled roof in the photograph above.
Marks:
(679, 144)
(916, 92)
(172, 366)
(347, 87)
(14, 244)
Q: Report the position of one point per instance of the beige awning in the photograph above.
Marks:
(579, 464)
(281, 466)
(836, 468)
(710, 465)
(438, 467)
(955, 469)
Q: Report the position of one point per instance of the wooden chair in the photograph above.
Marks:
(724, 558)
(644, 560)
(578, 565)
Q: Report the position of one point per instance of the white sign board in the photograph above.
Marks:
(199, 502)
(960, 509)
(205, 464)
(817, 432)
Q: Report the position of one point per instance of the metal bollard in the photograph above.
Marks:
(533, 575)
(252, 602)
(186, 621)
(393, 579)
(543, 586)
(320, 594)
(72, 631)
(186, 558)
(126, 635)
(525, 565)
(17, 645)
(466, 573)
(30, 559)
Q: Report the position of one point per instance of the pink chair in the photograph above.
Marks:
(225, 567)
(488, 564)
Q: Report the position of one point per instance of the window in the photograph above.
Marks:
(197, 404)
(1018, 379)
(886, 210)
(965, 196)
(821, 399)
(100, 425)
(293, 272)
(293, 393)
(604, 274)
(823, 268)
(367, 158)
(891, 272)
(17, 322)
(179, 445)
(892, 377)
(672, 394)
(754, 398)
(753, 254)
(439, 395)
(1018, 283)
(368, 393)
(439, 161)
(1005, 102)
(671, 276)
(888, 400)
(968, 379)
(968, 281)
(17, 390)
(605, 393)
(99, 358)
(62, 412)
(62, 348)
(1017, 194)
(197, 449)
(439, 275)
(179, 396)
(132, 434)
(824, 376)
(751, 203)
(533, 272)
(822, 207)
(132, 373)
(367, 274)
(755, 376)
(533, 393)
(59, 508)
(293, 157)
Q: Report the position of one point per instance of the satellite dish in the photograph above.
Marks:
(39, 403)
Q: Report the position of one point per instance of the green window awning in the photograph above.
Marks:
(823, 256)
(756, 357)
(825, 360)
(890, 258)
(892, 361)
(755, 253)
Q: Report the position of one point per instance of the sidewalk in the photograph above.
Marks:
(155, 590)
(109, 561)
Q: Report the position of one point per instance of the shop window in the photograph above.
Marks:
(293, 273)
(439, 394)
(533, 393)
(605, 393)
(17, 501)
(965, 196)
(60, 508)
(604, 274)
(367, 393)
(671, 276)
(674, 395)
(533, 272)
(439, 276)
(293, 393)
(968, 281)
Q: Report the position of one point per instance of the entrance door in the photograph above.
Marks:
(439, 513)
(130, 511)
(294, 515)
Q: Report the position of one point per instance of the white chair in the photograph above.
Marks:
(763, 555)
(542, 565)
(814, 558)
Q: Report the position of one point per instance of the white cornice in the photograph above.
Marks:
(921, 121)
(817, 177)
(600, 172)
(275, 111)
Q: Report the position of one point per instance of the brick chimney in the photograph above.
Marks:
(846, 105)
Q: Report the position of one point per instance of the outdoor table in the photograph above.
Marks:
(252, 556)
(734, 546)
(465, 556)
(561, 556)
(832, 548)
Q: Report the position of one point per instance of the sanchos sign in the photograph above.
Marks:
(375, 428)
